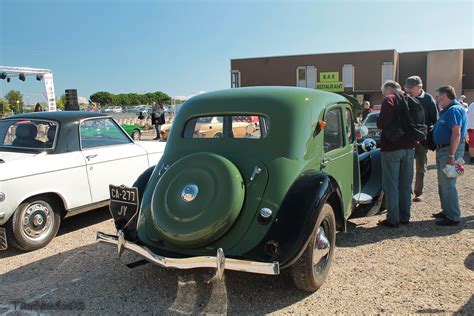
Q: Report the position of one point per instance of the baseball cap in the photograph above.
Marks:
(413, 81)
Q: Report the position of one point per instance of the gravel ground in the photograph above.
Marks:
(421, 268)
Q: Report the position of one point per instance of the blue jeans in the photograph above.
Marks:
(448, 194)
(397, 176)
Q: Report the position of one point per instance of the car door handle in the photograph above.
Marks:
(325, 161)
(89, 157)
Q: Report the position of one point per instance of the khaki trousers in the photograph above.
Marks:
(421, 161)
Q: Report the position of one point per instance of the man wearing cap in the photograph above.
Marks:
(449, 135)
(414, 87)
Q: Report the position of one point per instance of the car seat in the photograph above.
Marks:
(26, 136)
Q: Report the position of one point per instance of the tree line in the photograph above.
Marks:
(103, 98)
(13, 100)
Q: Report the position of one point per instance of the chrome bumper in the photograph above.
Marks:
(219, 262)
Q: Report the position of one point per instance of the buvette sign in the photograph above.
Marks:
(329, 81)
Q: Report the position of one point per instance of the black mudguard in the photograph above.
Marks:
(130, 232)
(371, 172)
(370, 166)
(296, 218)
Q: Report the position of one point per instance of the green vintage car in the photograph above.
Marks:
(133, 130)
(259, 202)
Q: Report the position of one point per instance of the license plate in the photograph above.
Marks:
(3, 239)
(123, 204)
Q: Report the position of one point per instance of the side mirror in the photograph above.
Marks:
(368, 144)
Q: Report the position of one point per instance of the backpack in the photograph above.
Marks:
(412, 117)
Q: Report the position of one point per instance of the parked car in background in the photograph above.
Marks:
(134, 131)
(251, 200)
(117, 109)
(370, 123)
(57, 164)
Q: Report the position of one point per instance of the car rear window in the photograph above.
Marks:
(28, 134)
(227, 126)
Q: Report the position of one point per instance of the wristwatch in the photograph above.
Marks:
(451, 156)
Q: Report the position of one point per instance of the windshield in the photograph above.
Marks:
(27, 134)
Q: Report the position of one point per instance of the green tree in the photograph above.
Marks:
(15, 100)
(102, 98)
(4, 107)
(61, 102)
(126, 99)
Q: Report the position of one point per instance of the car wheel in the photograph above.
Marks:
(136, 134)
(218, 135)
(34, 224)
(311, 270)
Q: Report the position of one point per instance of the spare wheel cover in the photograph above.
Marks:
(197, 200)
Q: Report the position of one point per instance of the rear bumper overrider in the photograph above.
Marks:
(218, 262)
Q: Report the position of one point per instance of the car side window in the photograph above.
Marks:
(101, 132)
(349, 126)
(333, 133)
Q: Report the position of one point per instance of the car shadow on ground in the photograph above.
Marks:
(357, 235)
(83, 220)
(92, 280)
(69, 225)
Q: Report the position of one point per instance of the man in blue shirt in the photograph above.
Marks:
(449, 135)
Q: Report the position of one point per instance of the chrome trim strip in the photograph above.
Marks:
(218, 262)
(340, 156)
(85, 208)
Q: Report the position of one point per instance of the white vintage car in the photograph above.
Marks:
(57, 164)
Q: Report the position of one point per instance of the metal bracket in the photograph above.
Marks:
(220, 260)
(255, 171)
(163, 170)
(120, 242)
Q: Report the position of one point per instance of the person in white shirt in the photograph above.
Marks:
(470, 131)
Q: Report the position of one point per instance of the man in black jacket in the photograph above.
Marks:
(414, 87)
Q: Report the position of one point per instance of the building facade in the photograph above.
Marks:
(360, 74)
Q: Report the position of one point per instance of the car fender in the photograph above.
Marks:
(297, 217)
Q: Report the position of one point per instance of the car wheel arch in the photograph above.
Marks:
(58, 198)
(336, 201)
(322, 188)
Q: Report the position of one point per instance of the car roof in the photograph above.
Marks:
(261, 100)
(63, 117)
(291, 94)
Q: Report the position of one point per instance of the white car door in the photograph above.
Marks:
(111, 156)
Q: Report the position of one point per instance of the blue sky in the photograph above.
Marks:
(182, 47)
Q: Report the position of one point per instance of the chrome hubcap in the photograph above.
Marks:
(321, 250)
(189, 192)
(37, 221)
